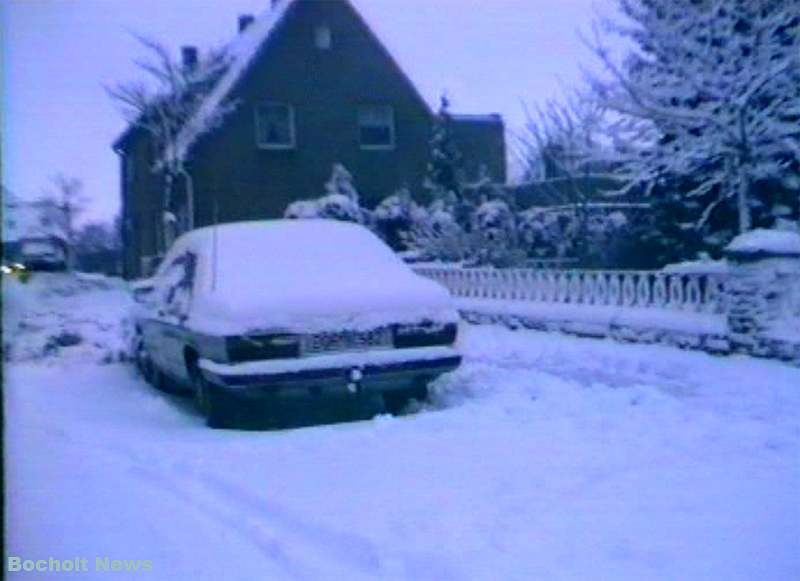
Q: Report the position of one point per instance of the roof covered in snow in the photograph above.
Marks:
(242, 51)
(762, 241)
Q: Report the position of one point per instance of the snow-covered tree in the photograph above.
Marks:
(340, 202)
(436, 235)
(395, 217)
(563, 233)
(341, 183)
(445, 180)
(163, 105)
(712, 89)
(494, 227)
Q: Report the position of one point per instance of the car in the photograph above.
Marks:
(43, 254)
(248, 312)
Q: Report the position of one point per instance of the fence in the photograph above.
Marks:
(701, 293)
(694, 310)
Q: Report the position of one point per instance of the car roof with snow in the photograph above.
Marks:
(284, 273)
(282, 251)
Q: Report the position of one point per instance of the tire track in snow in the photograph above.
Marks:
(248, 514)
(241, 526)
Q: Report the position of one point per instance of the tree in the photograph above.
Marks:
(340, 202)
(96, 237)
(712, 91)
(567, 138)
(494, 227)
(98, 247)
(394, 218)
(569, 148)
(164, 106)
(445, 178)
(341, 183)
(62, 204)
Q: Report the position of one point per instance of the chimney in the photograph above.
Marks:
(245, 20)
(189, 57)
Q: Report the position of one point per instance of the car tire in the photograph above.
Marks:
(397, 401)
(143, 362)
(206, 402)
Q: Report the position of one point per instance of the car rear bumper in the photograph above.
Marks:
(376, 371)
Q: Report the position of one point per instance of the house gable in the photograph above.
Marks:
(320, 63)
(254, 44)
(325, 88)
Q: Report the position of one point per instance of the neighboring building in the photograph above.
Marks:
(313, 86)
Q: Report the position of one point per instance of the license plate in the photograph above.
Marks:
(347, 341)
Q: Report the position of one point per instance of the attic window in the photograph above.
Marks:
(275, 126)
(323, 37)
(376, 127)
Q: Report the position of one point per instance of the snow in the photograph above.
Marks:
(64, 317)
(543, 457)
(602, 318)
(766, 241)
(315, 275)
(702, 266)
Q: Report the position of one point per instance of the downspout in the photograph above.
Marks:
(189, 198)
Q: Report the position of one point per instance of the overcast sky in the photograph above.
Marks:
(489, 55)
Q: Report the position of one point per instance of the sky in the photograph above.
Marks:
(58, 55)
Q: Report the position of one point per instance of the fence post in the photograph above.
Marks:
(763, 312)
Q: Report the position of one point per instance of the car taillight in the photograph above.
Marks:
(425, 335)
(260, 347)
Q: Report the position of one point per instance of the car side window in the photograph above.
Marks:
(175, 286)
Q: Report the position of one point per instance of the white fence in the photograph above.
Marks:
(698, 293)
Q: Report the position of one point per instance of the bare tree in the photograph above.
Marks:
(714, 86)
(62, 204)
(565, 138)
(165, 106)
(570, 149)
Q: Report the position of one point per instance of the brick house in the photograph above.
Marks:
(313, 86)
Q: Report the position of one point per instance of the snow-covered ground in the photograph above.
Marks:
(543, 457)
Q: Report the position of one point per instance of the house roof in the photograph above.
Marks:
(243, 51)
(467, 118)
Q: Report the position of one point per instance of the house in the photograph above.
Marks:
(312, 86)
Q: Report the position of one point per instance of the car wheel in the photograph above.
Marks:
(397, 401)
(202, 394)
(206, 402)
(143, 362)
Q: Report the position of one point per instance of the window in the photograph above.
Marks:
(175, 284)
(323, 38)
(376, 127)
(275, 126)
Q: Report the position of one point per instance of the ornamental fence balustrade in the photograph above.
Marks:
(754, 307)
(698, 293)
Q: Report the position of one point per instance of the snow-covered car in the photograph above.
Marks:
(256, 310)
(43, 254)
